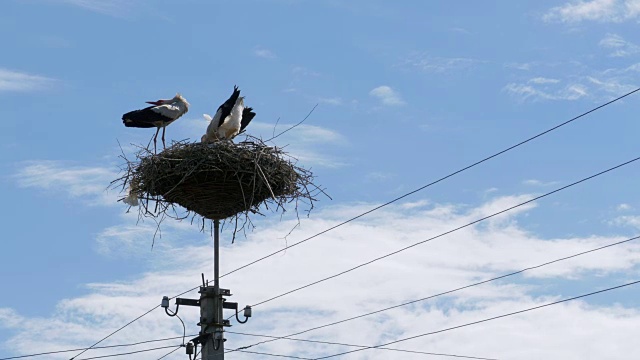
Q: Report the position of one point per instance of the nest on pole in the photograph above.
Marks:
(217, 181)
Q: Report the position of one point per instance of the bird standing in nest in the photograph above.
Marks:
(231, 118)
(163, 113)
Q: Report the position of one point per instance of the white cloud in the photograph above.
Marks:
(460, 30)
(575, 81)
(619, 46)
(331, 101)
(303, 71)
(107, 7)
(435, 64)
(624, 207)
(387, 96)
(378, 176)
(84, 182)
(628, 220)
(264, 53)
(23, 82)
(535, 182)
(542, 80)
(533, 90)
(612, 86)
(456, 260)
(519, 66)
(595, 10)
(307, 143)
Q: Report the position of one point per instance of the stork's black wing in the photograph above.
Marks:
(227, 106)
(144, 118)
(247, 116)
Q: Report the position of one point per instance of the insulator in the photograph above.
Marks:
(247, 311)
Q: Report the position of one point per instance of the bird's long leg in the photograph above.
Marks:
(163, 145)
(155, 141)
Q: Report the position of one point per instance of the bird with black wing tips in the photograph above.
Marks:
(231, 118)
(160, 115)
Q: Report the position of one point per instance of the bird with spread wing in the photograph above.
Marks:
(231, 118)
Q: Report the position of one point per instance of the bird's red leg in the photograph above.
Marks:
(155, 140)
(163, 145)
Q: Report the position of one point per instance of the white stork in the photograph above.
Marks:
(231, 118)
(163, 113)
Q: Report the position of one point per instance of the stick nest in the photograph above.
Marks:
(218, 181)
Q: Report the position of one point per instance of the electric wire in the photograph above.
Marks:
(449, 291)
(114, 332)
(435, 182)
(96, 347)
(169, 353)
(130, 352)
(184, 328)
(365, 346)
(385, 204)
(486, 320)
(245, 351)
(129, 323)
(275, 355)
(444, 233)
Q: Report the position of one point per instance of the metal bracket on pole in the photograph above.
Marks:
(187, 302)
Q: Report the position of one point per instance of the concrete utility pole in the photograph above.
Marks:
(212, 302)
(211, 305)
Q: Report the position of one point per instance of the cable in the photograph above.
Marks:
(485, 320)
(127, 324)
(444, 233)
(434, 182)
(450, 291)
(169, 353)
(108, 336)
(95, 347)
(276, 355)
(131, 352)
(363, 346)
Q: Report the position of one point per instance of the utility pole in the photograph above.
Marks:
(212, 302)
(211, 305)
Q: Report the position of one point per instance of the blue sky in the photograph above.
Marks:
(407, 92)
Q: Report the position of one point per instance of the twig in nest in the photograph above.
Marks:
(294, 126)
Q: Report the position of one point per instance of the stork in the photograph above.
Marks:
(163, 113)
(230, 119)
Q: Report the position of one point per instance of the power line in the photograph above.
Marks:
(108, 336)
(386, 204)
(121, 328)
(484, 320)
(245, 351)
(363, 346)
(169, 353)
(443, 234)
(131, 352)
(434, 182)
(450, 291)
(275, 355)
(95, 347)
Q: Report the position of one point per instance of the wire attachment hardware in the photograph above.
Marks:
(165, 305)
(247, 314)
